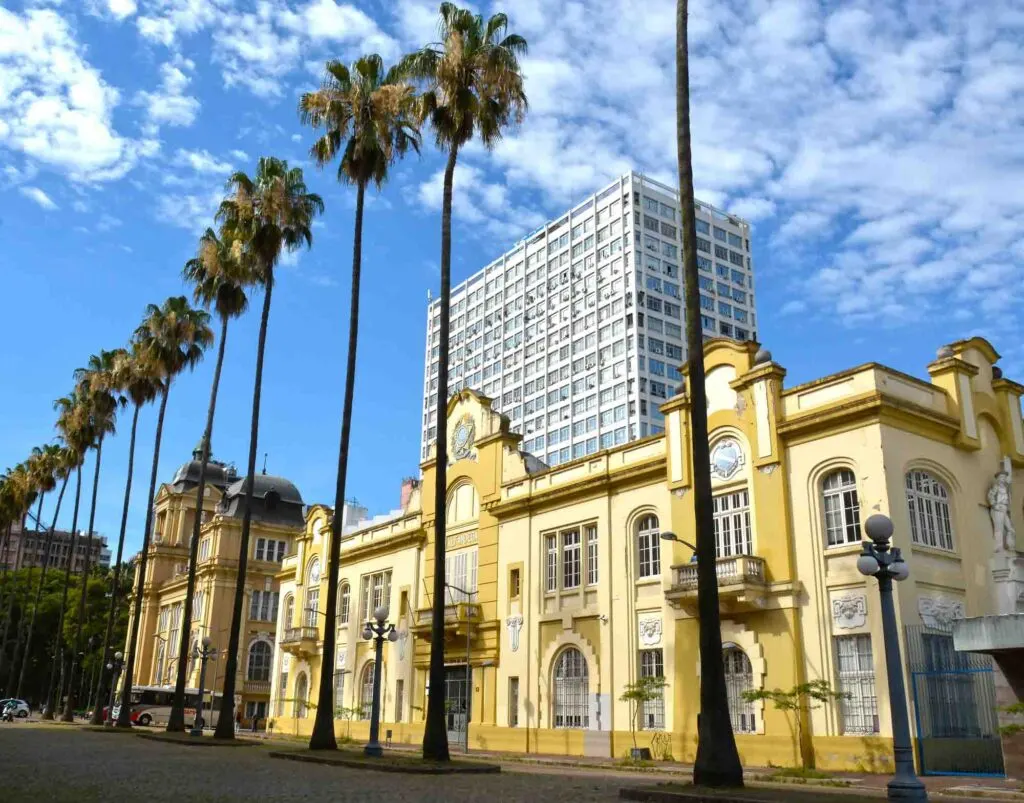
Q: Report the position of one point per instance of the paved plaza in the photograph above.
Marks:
(50, 763)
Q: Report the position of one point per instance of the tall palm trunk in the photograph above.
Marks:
(69, 709)
(322, 737)
(176, 721)
(10, 582)
(226, 720)
(19, 638)
(54, 686)
(435, 733)
(717, 762)
(115, 588)
(39, 588)
(124, 714)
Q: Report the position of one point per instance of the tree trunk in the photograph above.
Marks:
(226, 721)
(435, 732)
(39, 588)
(86, 566)
(717, 762)
(9, 586)
(176, 721)
(115, 589)
(19, 638)
(128, 676)
(55, 683)
(322, 737)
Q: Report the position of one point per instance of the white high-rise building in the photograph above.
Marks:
(576, 333)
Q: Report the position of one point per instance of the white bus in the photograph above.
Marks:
(151, 705)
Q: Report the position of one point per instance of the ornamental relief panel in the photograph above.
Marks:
(849, 611)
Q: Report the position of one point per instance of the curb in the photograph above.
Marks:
(196, 741)
(383, 766)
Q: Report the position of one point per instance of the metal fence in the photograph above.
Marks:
(954, 706)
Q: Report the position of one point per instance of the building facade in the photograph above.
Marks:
(560, 591)
(576, 332)
(277, 520)
(27, 549)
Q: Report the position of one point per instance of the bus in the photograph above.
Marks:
(151, 705)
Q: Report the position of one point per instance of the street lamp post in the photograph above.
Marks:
(465, 733)
(114, 667)
(885, 563)
(203, 653)
(377, 632)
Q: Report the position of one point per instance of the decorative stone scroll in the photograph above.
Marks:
(939, 613)
(850, 611)
(514, 624)
(650, 631)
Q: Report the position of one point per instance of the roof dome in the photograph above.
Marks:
(217, 473)
(264, 484)
(274, 499)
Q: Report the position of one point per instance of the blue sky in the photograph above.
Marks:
(874, 146)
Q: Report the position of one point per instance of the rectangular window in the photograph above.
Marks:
(260, 545)
(399, 699)
(514, 584)
(652, 665)
(732, 524)
(551, 573)
(591, 554)
(282, 550)
(513, 702)
(859, 708)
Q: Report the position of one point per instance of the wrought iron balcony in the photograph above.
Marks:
(300, 640)
(460, 613)
(741, 583)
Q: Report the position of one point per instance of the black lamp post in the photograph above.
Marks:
(203, 654)
(886, 564)
(114, 667)
(377, 631)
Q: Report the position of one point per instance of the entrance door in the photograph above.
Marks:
(457, 680)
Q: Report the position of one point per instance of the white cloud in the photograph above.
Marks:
(169, 105)
(192, 211)
(107, 222)
(241, 156)
(201, 161)
(54, 106)
(121, 8)
(38, 196)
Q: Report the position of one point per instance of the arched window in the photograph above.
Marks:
(842, 508)
(344, 604)
(366, 691)
(649, 546)
(312, 607)
(301, 696)
(463, 504)
(739, 677)
(928, 501)
(289, 611)
(260, 657)
(570, 693)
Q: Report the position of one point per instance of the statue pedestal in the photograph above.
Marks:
(1008, 582)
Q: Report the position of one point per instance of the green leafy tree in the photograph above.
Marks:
(219, 274)
(798, 701)
(638, 693)
(472, 88)
(170, 340)
(368, 120)
(268, 214)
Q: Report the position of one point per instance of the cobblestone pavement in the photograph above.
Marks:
(48, 763)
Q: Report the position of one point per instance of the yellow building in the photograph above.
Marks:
(562, 592)
(278, 517)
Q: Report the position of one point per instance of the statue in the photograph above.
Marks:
(999, 509)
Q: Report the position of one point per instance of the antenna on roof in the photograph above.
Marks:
(264, 462)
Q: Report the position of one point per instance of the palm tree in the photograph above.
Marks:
(19, 488)
(40, 475)
(267, 214)
(368, 118)
(96, 383)
(59, 464)
(131, 378)
(219, 275)
(170, 339)
(717, 762)
(473, 87)
(74, 425)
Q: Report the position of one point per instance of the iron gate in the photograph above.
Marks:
(954, 706)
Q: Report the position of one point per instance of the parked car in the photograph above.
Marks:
(21, 709)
